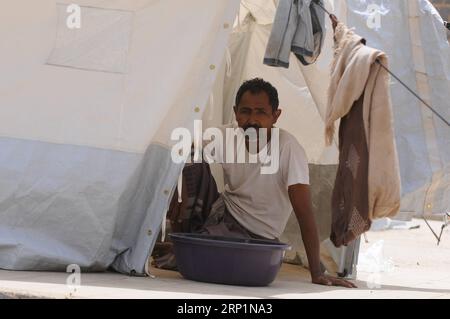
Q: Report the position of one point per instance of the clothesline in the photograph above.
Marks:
(316, 2)
(414, 93)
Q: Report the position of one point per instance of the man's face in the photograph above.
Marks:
(255, 111)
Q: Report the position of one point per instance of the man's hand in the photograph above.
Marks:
(326, 280)
(300, 196)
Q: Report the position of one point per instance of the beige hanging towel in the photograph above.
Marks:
(368, 181)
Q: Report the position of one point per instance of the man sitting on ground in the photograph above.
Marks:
(256, 205)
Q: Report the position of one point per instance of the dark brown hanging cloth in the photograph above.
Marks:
(350, 204)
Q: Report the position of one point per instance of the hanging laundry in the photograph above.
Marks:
(299, 27)
(367, 184)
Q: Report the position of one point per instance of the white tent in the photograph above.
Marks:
(86, 114)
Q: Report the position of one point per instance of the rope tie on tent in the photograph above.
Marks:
(334, 20)
(146, 270)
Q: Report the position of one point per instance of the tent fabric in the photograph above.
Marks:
(85, 169)
(85, 166)
(302, 104)
(411, 34)
(301, 88)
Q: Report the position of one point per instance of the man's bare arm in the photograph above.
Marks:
(300, 197)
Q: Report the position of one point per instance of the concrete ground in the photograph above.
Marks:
(420, 269)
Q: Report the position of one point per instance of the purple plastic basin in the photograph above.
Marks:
(230, 261)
